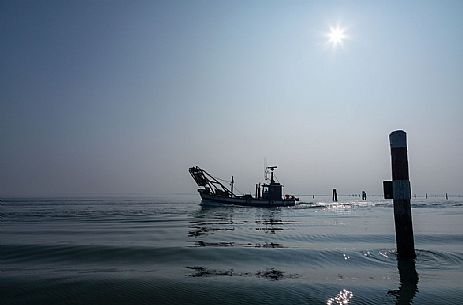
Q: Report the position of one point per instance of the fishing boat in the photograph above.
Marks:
(268, 194)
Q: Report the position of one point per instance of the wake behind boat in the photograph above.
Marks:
(267, 194)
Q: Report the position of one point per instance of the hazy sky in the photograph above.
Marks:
(121, 97)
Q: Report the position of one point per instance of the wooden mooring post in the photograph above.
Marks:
(401, 193)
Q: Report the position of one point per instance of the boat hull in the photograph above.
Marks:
(246, 201)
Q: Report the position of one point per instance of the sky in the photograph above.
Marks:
(122, 97)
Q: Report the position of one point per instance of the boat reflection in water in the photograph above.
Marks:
(215, 226)
(223, 226)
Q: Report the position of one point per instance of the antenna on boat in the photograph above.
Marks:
(232, 181)
(265, 170)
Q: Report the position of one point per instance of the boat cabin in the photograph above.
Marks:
(274, 190)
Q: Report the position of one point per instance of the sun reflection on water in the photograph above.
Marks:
(343, 297)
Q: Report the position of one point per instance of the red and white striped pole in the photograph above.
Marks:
(401, 195)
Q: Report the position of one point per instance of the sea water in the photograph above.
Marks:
(173, 250)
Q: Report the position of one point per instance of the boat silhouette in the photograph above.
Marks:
(268, 194)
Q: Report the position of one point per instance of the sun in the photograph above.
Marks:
(336, 36)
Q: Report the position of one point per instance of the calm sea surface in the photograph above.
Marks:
(172, 250)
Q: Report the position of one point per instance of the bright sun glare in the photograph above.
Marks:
(336, 36)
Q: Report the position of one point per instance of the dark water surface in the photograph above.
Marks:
(171, 250)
